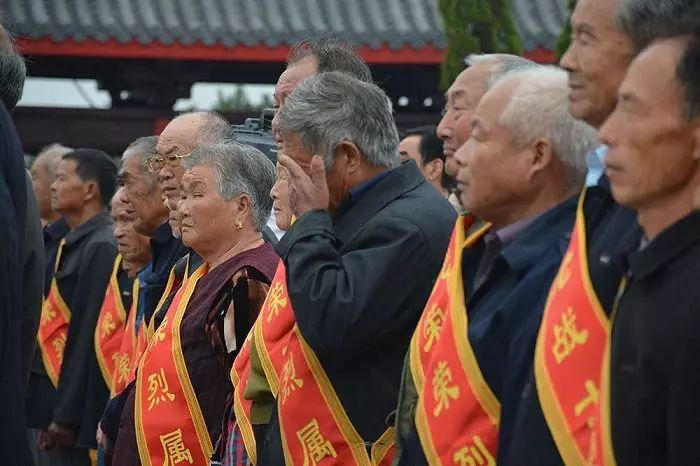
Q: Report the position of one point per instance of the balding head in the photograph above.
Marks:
(182, 136)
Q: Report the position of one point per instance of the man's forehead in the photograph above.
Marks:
(472, 80)
(495, 101)
(652, 75)
(595, 14)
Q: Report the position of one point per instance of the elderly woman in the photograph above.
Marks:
(175, 413)
(280, 199)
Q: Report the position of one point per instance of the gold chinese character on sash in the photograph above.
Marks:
(442, 390)
(174, 449)
(59, 345)
(314, 445)
(564, 272)
(446, 267)
(48, 314)
(290, 381)
(158, 389)
(474, 455)
(160, 332)
(433, 326)
(567, 337)
(591, 397)
(277, 300)
(121, 363)
(108, 325)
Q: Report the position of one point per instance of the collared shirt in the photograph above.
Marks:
(595, 161)
(360, 190)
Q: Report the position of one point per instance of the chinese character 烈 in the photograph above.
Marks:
(442, 390)
(174, 449)
(290, 381)
(314, 445)
(567, 337)
(474, 455)
(158, 389)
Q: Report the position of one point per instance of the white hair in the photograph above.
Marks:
(539, 108)
(504, 64)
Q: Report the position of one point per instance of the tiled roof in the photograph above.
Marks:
(373, 23)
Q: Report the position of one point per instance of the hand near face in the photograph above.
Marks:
(306, 192)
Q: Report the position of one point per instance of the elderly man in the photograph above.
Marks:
(464, 95)
(568, 366)
(336, 323)
(74, 391)
(653, 169)
(520, 175)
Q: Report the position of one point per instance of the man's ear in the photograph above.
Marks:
(91, 191)
(351, 154)
(541, 155)
(435, 169)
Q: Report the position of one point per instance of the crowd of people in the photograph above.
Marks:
(515, 286)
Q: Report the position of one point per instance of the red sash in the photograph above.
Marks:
(150, 328)
(572, 360)
(53, 327)
(127, 357)
(313, 424)
(109, 330)
(457, 414)
(170, 427)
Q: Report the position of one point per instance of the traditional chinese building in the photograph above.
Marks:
(146, 53)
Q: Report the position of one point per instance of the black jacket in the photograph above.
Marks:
(655, 381)
(358, 284)
(607, 227)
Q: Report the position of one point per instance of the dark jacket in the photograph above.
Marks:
(607, 224)
(13, 213)
(358, 284)
(82, 276)
(655, 381)
(501, 311)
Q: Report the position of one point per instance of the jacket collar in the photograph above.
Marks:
(163, 233)
(100, 220)
(670, 244)
(535, 239)
(56, 230)
(402, 179)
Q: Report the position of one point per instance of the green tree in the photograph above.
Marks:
(237, 101)
(565, 37)
(475, 26)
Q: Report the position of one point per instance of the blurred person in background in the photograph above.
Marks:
(224, 206)
(423, 146)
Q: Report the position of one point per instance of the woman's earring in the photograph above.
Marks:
(239, 225)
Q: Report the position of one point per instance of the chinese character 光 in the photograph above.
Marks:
(567, 337)
(433, 326)
(121, 363)
(277, 300)
(591, 398)
(442, 390)
(59, 345)
(108, 325)
(174, 449)
(158, 389)
(474, 455)
(290, 381)
(314, 445)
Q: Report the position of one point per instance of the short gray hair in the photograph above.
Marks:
(539, 108)
(52, 155)
(330, 108)
(504, 64)
(13, 71)
(239, 169)
(647, 20)
(143, 148)
(331, 55)
(215, 129)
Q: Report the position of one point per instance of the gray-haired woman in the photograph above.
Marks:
(224, 206)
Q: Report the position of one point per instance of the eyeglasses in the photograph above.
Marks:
(155, 164)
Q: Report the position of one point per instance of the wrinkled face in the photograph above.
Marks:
(461, 100)
(596, 60)
(206, 217)
(289, 80)
(134, 247)
(144, 195)
(41, 179)
(68, 192)
(174, 217)
(280, 199)
(652, 154)
(337, 178)
(178, 140)
(492, 174)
